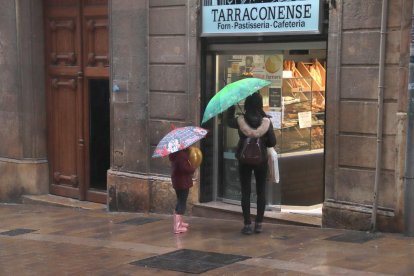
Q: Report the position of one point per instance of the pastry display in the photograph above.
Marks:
(290, 100)
(304, 92)
(318, 102)
(289, 123)
(317, 134)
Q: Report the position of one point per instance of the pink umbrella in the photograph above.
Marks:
(178, 139)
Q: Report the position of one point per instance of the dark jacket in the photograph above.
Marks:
(253, 127)
(181, 170)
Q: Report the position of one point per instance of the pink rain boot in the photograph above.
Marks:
(178, 227)
(186, 225)
(182, 222)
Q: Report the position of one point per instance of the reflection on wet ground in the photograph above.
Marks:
(44, 240)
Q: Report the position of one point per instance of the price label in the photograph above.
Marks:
(305, 119)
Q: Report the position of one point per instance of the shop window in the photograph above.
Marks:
(295, 100)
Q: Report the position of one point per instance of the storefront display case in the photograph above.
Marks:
(301, 136)
(303, 122)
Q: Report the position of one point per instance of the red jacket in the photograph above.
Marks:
(181, 170)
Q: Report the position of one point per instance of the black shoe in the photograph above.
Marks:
(258, 228)
(247, 229)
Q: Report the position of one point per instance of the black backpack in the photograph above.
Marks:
(252, 151)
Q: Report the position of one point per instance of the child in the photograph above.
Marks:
(182, 180)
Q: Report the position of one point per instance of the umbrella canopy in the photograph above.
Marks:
(178, 139)
(232, 94)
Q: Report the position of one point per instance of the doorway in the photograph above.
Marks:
(295, 100)
(99, 132)
(77, 83)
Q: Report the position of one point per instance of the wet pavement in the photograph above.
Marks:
(49, 240)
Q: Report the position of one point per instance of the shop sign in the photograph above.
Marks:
(260, 17)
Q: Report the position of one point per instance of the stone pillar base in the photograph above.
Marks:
(142, 193)
(356, 217)
(22, 177)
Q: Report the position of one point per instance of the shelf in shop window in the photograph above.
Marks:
(296, 84)
(305, 101)
(317, 84)
(288, 127)
(319, 115)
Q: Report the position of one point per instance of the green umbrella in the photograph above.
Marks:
(232, 94)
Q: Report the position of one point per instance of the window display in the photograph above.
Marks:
(295, 101)
(303, 97)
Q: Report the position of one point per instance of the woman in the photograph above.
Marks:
(254, 123)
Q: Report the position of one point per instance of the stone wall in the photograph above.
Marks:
(155, 64)
(23, 164)
(353, 72)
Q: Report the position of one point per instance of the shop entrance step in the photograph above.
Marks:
(53, 200)
(222, 210)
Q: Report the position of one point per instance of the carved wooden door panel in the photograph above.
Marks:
(70, 53)
(95, 38)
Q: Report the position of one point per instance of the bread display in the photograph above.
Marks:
(303, 92)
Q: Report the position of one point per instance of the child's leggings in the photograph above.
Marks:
(182, 196)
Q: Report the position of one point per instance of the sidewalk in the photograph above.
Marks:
(49, 240)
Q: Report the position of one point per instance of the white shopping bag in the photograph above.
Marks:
(273, 164)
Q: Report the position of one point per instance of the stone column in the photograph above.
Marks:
(23, 164)
(128, 188)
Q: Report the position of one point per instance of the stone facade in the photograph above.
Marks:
(353, 63)
(157, 68)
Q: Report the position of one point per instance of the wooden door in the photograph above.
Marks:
(76, 49)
